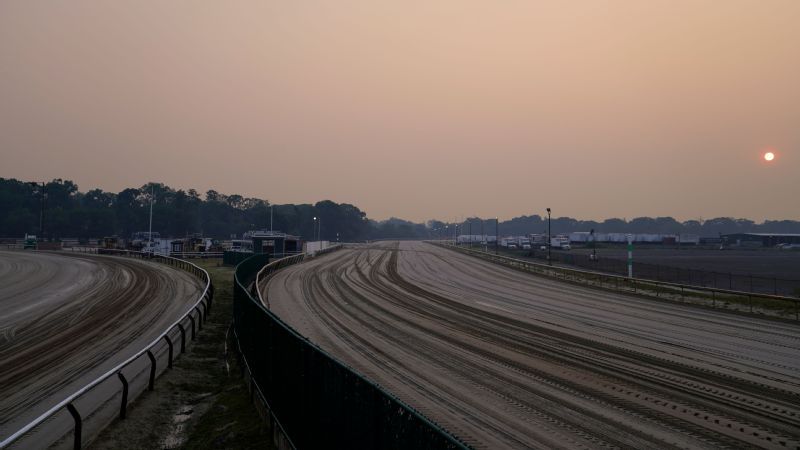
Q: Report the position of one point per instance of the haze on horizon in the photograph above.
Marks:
(442, 109)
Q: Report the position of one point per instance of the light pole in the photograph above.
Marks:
(549, 239)
(630, 256)
(483, 234)
(496, 233)
(41, 205)
(314, 230)
(150, 230)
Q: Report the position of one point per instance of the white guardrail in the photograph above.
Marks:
(200, 308)
(641, 286)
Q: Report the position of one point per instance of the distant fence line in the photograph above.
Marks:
(671, 274)
(310, 399)
(753, 302)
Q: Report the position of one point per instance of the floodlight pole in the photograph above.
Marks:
(483, 234)
(150, 232)
(41, 210)
(549, 239)
(496, 233)
(630, 256)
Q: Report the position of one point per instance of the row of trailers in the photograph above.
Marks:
(258, 241)
(154, 243)
(563, 241)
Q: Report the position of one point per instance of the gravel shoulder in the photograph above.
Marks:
(202, 402)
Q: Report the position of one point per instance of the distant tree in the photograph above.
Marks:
(778, 226)
(642, 225)
(214, 196)
(719, 225)
(667, 225)
(692, 227)
(613, 225)
(96, 213)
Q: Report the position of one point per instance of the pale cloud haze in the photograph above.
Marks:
(415, 109)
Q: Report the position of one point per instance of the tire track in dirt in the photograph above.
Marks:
(506, 360)
(66, 318)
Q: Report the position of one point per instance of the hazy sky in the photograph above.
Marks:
(416, 109)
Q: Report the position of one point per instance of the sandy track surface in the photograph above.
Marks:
(504, 359)
(65, 319)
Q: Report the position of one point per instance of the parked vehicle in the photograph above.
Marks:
(30, 242)
(242, 245)
(560, 242)
(112, 243)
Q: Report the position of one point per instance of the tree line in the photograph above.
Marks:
(63, 210)
(658, 225)
(68, 212)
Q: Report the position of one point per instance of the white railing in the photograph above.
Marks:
(200, 308)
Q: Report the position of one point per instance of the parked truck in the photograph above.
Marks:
(560, 242)
(30, 242)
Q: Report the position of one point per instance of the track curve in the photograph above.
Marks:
(503, 359)
(67, 318)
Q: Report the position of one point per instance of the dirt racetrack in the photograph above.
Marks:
(67, 318)
(504, 359)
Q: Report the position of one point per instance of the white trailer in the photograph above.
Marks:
(561, 242)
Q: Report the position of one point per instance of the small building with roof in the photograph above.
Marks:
(274, 243)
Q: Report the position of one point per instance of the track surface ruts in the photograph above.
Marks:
(65, 319)
(504, 359)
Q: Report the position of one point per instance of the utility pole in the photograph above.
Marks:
(483, 234)
(549, 239)
(630, 256)
(150, 232)
(41, 205)
(41, 209)
(496, 233)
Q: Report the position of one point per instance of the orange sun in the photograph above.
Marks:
(769, 156)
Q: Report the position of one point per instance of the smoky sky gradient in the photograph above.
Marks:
(417, 109)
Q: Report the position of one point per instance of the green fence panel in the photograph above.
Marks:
(234, 258)
(319, 401)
